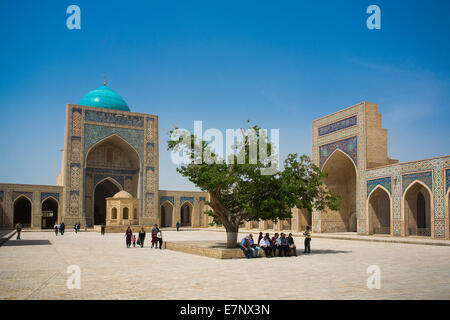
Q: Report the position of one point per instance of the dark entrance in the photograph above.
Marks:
(104, 189)
(22, 212)
(49, 211)
(186, 211)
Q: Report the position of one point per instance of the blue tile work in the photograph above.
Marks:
(16, 194)
(113, 118)
(385, 182)
(190, 199)
(349, 122)
(162, 199)
(349, 146)
(447, 179)
(94, 133)
(111, 171)
(425, 177)
(49, 194)
(100, 177)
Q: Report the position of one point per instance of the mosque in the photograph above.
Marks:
(110, 172)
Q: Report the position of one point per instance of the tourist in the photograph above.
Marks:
(266, 246)
(245, 247)
(260, 237)
(159, 238)
(154, 237)
(307, 235)
(292, 244)
(141, 237)
(62, 226)
(128, 235)
(284, 245)
(256, 251)
(102, 229)
(178, 225)
(19, 230)
(56, 229)
(275, 244)
(133, 239)
(75, 228)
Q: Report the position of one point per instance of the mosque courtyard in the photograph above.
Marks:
(36, 268)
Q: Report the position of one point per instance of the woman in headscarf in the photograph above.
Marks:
(128, 235)
(141, 237)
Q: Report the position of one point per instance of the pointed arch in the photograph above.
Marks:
(112, 180)
(186, 213)
(23, 208)
(49, 212)
(167, 210)
(447, 213)
(380, 221)
(413, 209)
(345, 154)
(342, 176)
(112, 137)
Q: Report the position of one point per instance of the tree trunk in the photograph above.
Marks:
(232, 234)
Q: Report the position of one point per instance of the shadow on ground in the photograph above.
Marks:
(13, 243)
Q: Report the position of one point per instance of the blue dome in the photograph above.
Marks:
(104, 97)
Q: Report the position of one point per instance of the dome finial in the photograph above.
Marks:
(104, 80)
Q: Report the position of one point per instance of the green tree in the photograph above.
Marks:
(242, 192)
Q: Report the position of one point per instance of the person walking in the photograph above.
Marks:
(133, 239)
(141, 237)
(154, 237)
(128, 235)
(307, 235)
(159, 238)
(62, 227)
(178, 225)
(102, 228)
(19, 230)
(75, 228)
(56, 229)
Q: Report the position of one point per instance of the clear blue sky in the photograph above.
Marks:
(281, 64)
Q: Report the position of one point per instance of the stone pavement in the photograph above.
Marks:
(35, 268)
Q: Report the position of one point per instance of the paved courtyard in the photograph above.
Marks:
(35, 268)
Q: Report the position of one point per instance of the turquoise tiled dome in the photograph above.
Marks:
(104, 97)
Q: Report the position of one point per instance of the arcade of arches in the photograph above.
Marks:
(112, 157)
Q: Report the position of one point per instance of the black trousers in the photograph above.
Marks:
(160, 243)
(308, 245)
(267, 251)
(284, 249)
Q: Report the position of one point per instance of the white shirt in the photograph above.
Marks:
(264, 243)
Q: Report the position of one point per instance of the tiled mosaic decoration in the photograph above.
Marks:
(45, 195)
(163, 199)
(189, 199)
(425, 177)
(342, 124)
(349, 146)
(113, 118)
(372, 184)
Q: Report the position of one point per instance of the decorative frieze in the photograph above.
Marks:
(113, 118)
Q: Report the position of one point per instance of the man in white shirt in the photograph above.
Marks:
(265, 245)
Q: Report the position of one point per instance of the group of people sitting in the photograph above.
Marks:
(279, 242)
